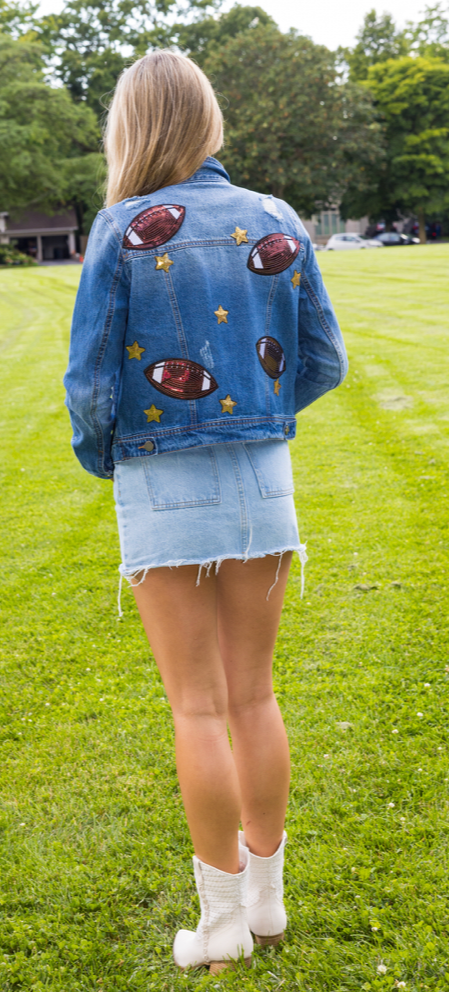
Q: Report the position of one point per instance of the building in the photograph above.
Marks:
(45, 238)
(328, 222)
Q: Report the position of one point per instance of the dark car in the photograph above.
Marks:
(392, 238)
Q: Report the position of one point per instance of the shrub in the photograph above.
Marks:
(10, 256)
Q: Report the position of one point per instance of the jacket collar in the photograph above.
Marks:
(210, 171)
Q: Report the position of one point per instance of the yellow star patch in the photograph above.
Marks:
(135, 351)
(240, 235)
(163, 262)
(227, 405)
(153, 414)
(296, 279)
(277, 387)
(221, 315)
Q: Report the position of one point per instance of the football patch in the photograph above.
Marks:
(181, 379)
(154, 226)
(273, 254)
(271, 357)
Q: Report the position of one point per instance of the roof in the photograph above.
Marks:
(32, 221)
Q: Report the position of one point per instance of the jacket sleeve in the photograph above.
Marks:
(322, 360)
(92, 379)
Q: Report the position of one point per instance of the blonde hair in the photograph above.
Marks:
(163, 122)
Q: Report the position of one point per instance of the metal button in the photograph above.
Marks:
(286, 429)
(148, 446)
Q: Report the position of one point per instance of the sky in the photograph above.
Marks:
(331, 23)
(327, 22)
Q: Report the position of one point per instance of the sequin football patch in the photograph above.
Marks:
(181, 379)
(273, 254)
(154, 226)
(271, 357)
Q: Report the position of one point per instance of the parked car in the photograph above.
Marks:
(392, 239)
(345, 242)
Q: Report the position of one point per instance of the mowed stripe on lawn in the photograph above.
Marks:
(95, 852)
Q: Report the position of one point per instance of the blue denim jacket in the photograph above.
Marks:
(201, 317)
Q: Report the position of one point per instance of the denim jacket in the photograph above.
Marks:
(201, 317)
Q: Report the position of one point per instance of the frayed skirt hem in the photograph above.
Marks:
(133, 573)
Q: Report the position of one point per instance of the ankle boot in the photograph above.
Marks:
(266, 912)
(223, 933)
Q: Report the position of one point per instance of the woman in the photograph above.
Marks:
(201, 325)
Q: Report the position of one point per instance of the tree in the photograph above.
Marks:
(292, 128)
(430, 36)
(41, 131)
(377, 41)
(412, 101)
(90, 41)
(17, 18)
(201, 38)
(83, 182)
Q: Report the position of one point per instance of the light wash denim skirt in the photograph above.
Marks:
(202, 505)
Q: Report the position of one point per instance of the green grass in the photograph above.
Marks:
(94, 857)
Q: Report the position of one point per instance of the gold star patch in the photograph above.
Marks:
(227, 405)
(153, 414)
(240, 235)
(277, 387)
(163, 262)
(134, 351)
(296, 279)
(221, 315)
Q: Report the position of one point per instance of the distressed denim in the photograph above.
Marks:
(201, 318)
(201, 506)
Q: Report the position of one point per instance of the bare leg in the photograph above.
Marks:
(210, 642)
(180, 622)
(247, 626)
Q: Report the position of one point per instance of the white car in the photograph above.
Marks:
(345, 242)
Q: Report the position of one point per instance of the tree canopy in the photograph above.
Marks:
(365, 128)
(41, 131)
(412, 100)
(291, 128)
(91, 41)
(430, 36)
(16, 17)
(203, 37)
(377, 41)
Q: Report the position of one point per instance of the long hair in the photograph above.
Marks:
(163, 122)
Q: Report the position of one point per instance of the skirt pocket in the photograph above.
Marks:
(181, 479)
(272, 467)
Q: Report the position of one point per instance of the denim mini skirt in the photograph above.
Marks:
(202, 505)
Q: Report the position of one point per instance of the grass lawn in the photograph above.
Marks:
(95, 868)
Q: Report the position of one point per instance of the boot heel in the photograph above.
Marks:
(218, 966)
(269, 941)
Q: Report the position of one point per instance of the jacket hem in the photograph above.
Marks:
(178, 438)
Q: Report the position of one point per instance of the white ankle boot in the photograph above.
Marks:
(223, 933)
(266, 912)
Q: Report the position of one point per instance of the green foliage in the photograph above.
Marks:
(95, 870)
(17, 17)
(290, 128)
(412, 101)
(83, 185)
(10, 256)
(430, 36)
(40, 128)
(91, 41)
(204, 37)
(377, 41)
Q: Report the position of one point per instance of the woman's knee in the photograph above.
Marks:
(201, 704)
(249, 702)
